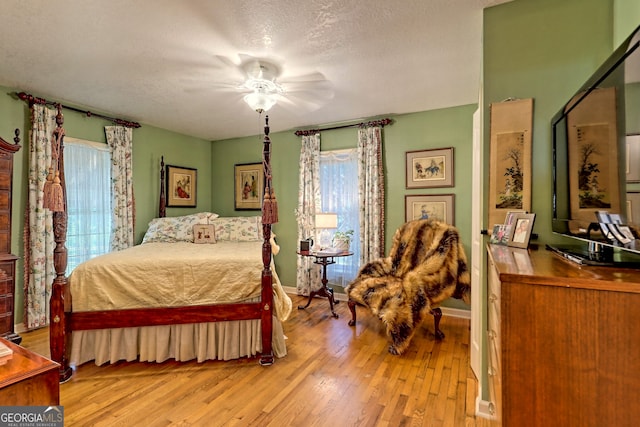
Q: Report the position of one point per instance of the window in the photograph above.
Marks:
(87, 169)
(339, 194)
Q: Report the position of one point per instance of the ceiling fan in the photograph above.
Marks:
(261, 83)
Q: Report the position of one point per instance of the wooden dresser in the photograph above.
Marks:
(7, 260)
(28, 379)
(563, 341)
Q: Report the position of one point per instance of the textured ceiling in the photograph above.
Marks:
(176, 64)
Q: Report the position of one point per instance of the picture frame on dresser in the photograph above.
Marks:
(520, 233)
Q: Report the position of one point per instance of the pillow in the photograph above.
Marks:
(238, 229)
(175, 229)
(249, 229)
(204, 233)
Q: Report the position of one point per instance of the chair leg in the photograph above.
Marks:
(437, 314)
(352, 308)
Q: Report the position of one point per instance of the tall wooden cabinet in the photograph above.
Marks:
(564, 341)
(7, 259)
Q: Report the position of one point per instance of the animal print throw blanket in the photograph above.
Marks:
(426, 265)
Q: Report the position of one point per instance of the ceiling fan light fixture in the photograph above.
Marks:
(260, 101)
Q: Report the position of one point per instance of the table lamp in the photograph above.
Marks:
(324, 222)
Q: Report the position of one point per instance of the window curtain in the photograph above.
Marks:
(371, 193)
(308, 273)
(39, 243)
(120, 139)
(339, 192)
(88, 185)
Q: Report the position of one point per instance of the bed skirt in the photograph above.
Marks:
(201, 341)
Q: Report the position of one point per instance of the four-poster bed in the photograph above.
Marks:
(259, 310)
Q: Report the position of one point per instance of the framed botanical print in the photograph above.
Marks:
(181, 186)
(429, 168)
(249, 186)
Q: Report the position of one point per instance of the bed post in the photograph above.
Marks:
(60, 303)
(269, 216)
(162, 208)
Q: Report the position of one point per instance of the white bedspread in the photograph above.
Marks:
(174, 274)
(168, 275)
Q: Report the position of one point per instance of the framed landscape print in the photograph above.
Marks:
(249, 186)
(181, 186)
(439, 207)
(429, 168)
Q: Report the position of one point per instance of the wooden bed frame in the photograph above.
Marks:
(63, 321)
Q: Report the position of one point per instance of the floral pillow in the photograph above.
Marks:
(238, 229)
(176, 229)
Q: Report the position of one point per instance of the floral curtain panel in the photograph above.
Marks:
(39, 243)
(119, 139)
(308, 273)
(371, 193)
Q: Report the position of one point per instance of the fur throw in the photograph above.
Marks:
(426, 265)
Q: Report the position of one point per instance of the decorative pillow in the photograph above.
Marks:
(175, 229)
(204, 233)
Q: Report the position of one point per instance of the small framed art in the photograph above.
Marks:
(429, 168)
(249, 186)
(439, 207)
(521, 230)
(181, 186)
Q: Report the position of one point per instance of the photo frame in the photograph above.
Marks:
(181, 186)
(249, 186)
(440, 207)
(521, 230)
(499, 234)
(429, 168)
(204, 233)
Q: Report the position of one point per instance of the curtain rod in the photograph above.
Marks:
(34, 100)
(381, 122)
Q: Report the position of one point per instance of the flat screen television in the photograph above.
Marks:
(596, 155)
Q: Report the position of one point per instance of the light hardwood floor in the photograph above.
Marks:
(333, 375)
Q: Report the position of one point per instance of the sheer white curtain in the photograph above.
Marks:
(308, 273)
(120, 140)
(39, 270)
(339, 193)
(88, 179)
(371, 191)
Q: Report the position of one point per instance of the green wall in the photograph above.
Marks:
(149, 144)
(545, 50)
(451, 127)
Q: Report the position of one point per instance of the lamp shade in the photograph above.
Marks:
(326, 220)
(260, 101)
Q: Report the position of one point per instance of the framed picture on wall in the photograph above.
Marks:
(181, 186)
(249, 186)
(429, 168)
(439, 207)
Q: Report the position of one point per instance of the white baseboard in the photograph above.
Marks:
(483, 408)
(446, 311)
(19, 328)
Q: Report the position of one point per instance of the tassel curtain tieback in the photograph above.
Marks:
(53, 192)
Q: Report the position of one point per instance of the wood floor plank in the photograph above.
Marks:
(333, 375)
